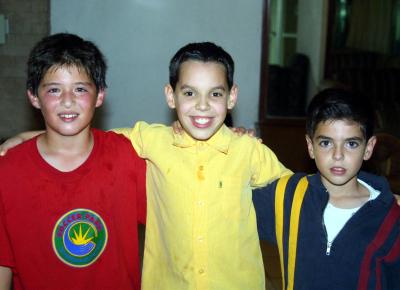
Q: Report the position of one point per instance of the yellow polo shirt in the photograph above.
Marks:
(201, 227)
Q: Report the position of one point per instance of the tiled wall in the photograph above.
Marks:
(28, 23)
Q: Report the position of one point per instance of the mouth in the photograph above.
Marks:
(201, 122)
(68, 117)
(338, 171)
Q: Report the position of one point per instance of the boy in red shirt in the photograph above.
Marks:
(69, 210)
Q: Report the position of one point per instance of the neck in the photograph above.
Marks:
(65, 153)
(349, 195)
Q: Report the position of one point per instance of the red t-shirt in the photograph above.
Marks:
(73, 230)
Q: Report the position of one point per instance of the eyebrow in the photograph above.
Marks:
(222, 88)
(354, 138)
(57, 84)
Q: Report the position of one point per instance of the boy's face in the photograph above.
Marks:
(339, 148)
(67, 98)
(201, 98)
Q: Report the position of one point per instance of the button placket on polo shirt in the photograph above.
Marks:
(200, 246)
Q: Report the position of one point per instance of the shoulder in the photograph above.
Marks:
(379, 183)
(288, 183)
(245, 143)
(144, 126)
(18, 154)
(152, 129)
(116, 149)
(110, 138)
(114, 143)
(249, 144)
(240, 139)
(291, 181)
(149, 132)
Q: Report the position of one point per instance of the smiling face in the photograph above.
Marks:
(339, 148)
(201, 98)
(67, 98)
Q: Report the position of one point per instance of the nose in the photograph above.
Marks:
(338, 153)
(67, 99)
(202, 103)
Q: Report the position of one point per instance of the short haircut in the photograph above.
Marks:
(340, 104)
(201, 51)
(65, 49)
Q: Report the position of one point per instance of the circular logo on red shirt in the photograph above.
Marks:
(79, 237)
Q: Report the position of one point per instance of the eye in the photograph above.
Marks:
(352, 144)
(81, 90)
(324, 143)
(188, 93)
(216, 94)
(53, 90)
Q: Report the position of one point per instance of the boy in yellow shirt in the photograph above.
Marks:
(201, 227)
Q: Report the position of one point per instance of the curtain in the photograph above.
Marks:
(370, 25)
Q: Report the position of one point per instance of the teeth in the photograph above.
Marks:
(68, 116)
(202, 121)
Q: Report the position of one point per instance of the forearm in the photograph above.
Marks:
(24, 136)
(5, 278)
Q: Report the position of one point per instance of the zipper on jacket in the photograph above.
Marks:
(328, 243)
(328, 248)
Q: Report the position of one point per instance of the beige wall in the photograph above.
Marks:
(311, 36)
(28, 22)
(139, 37)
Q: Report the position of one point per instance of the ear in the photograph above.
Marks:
(33, 99)
(232, 99)
(369, 149)
(100, 97)
(310, 147)
(169, 96)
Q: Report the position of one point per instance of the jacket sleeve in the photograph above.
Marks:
(391, 266)
(264, 200)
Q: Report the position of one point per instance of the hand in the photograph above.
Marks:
(177, 128)
(5, 278)
(242, 131)
(397, 197)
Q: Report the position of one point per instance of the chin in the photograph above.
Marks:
(71, 131)
(201, 136)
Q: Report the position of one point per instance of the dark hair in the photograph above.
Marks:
(201, 51)
(65, 49)
(340, 104)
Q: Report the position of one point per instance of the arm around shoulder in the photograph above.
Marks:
(266, 166)
(135, 135)
(264, 201)
(17, 139)
(5, 278)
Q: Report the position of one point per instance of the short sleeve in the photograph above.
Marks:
(266, 167)
(135, 135)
